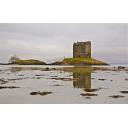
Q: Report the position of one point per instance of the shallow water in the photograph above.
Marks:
(66, 84)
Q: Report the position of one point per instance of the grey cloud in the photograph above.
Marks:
(49, 41)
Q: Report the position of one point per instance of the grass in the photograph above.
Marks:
(29, 62)
(88, 61)
(66, 61)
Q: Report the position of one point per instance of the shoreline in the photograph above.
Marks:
(70, 67)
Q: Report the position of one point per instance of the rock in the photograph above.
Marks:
(125, 92)
(54, 69)
(102, 79)
(88, 98)
(3, 81)
(126, 79)
(57, 85)
(38, 75)
(101, 88)
(33, 93)
(17, 79)
(38, 78)
(8, 87)
(63, 79)
(40, 93)
(91, 90)
(45, 93)
(116, 96)
(88, 94)
(121, 67)
(12, 79)
(47, 69)
(54, 76)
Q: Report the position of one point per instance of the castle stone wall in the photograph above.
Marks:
(82, 49)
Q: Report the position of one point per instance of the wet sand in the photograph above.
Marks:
(63, 84)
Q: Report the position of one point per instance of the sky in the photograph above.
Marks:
(53, 41)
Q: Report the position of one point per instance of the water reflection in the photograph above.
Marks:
(83, 80)
(82, 77)
(15, 69)
(18, 69)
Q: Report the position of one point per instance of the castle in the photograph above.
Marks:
(82, 49)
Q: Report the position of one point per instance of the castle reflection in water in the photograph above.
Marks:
(82, 77)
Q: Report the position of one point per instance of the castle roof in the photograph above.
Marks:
(82, 43)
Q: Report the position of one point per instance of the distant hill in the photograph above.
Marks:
(29, 62)
(79, 61)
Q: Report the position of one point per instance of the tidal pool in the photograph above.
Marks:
(63, 85)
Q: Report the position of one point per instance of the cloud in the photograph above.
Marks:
(49, 41)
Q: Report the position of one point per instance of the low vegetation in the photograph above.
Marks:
(29, 62)
(80, 61)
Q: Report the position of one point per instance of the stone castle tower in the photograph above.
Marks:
(82, 49)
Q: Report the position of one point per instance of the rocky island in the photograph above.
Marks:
(28, 62)
(79, 61)
(81, 56)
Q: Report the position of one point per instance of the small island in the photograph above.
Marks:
(79, 61)
(15, 60)
(29, 62)
(81, 56)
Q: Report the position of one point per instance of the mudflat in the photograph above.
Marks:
(63, 84)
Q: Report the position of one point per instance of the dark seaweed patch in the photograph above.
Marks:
(88, 94)
(125, 92)
(2, 81)
(91, 90)
(102, 79)
(58, 85)
(40, 93)
(8, 87)
(88, 97)
(116, 96)
(63, 79)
